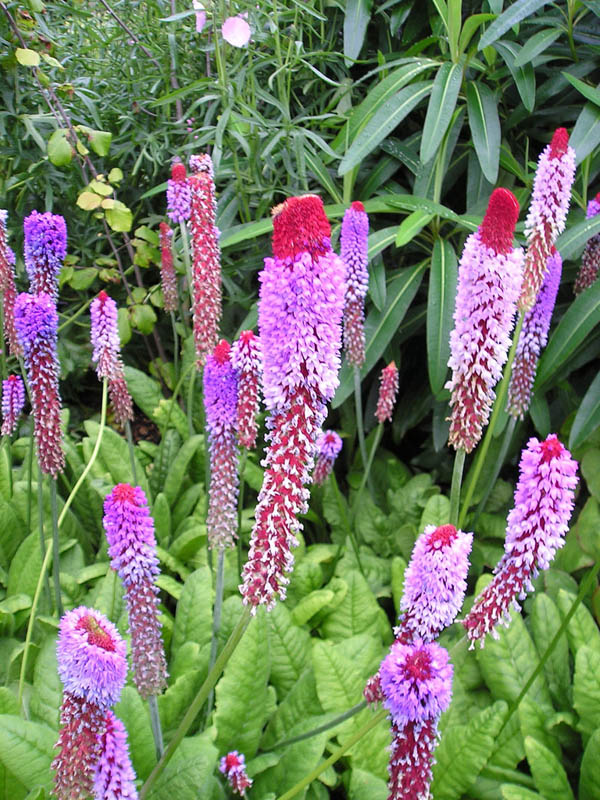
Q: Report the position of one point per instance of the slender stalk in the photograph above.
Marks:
(322, 728)
(457, 473)
(29, 481)
(55, 549)
(361, 488)
(359, 418)
(175, 348)
(40, 499)
(219, 584)
(7, 446)
(155, 724)
(242, 473)
(335, 756)
(46, 561)
(131, 452)
(499, 461)
(185, 249)
(211, 679)
(190, 404)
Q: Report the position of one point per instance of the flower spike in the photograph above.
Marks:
(45, 251)
(353, 249)
(13, 400)
(329, 445)
(178, 194)
(246, 357)
(8, 291)
(388, 390)
(590, 260)
(167, 271)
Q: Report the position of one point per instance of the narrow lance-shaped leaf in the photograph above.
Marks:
(513, 14)
(356, 19)
(440, 307)
(587, 418)
(442, 102)
(485, 127)
(524, 77)
(586, 133)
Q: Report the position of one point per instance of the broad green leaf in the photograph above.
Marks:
(114, 452)
(47, 695)
(545, 621)
(193, 620)
(381, 326)
(580, 319)
(357, 613)
(289, 647)
(589, 92)
(463, 752)
(590, 466)
(26, 750)
(485, 127)
(11, 533)
(387, 117)
(442, 102)
(356, 19)
(119, 217)
(25, 567)
(177, 469)
(60, 151)
(88, 201)
(133, 713)
(533, 720)
(189, 773)
(586, 133)
(311, 604)
(512, 791)
(582, 628)
(524, 77)
(144, 390)
(241, 694)
(589, 773)
(548, 772)
(27, 57)
(536, 45)
(411, 226)
(174, 703)
(513, 14)
(586, 688)
(436, 512)
(100, 144)
(573, 240)
(143, 317)
(300, 703)
(440, 308)
(162, 520)
(587, 418)
(363, 784)
(296, 761)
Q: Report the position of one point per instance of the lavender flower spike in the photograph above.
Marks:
(220, 401)
(489, 280)
(533, 338)
(13, 400)
(8, 291)
(353, 250)
(590, 260)
(114, 778)
(178, 194)
(45, 250)
(536, 528)
(246, 357)
(132, 548)
(329, 445)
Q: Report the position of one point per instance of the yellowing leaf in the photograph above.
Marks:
(88, 201)
(100, 188)
(26, 57)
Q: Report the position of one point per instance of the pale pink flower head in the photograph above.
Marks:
(233, 766)
(236, 31)
(388, 389)
(200, 15)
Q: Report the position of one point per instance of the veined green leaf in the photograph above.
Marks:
(442, 102)
(586, 688)
(589, 774)
(356, 19)
(513, 14)
(548, 773)
(587, 418)
(536, 45)
(440, 307)
(485, 127)
(586, 133)
(26, 750)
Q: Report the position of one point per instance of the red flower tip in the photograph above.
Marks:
(163, 227)
(178, 172)
(551, 448)
(102, 296)
(222, 352)
(498, 226)
(559, 143)
(598, 197)
(442, 536)
(357, 206)
(247, 336)
(300, 225)
(96, 633)
(124, 493)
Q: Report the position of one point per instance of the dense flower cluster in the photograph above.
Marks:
(233, 766)
(132, 549)
(8, 291)
(178, 194)
(489, 280)
(220, 401)
(45, 250)
(167, 271)
(246, 357)
(547, 212)
(590, 260)
(353, 249)
(13, 400)
(300, 311)
(533, 338)
(206, 257)
(114, 778)
(536, 528)
(107, 354)
(329, 444)
(388, 390)
(36, 321)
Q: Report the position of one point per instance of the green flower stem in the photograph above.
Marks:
(40, 499)
(359, 420)
(30, 481)
(131, 449)
(335, 756)
(55, 548)
(46, 561)
(155, 724)
(211, 679)
(457, 473)
(6, 444)
(361, 488)
(185, 249)
(219, 584)
(175, 347)
(492, 476)
(485, 444)
(242, 474)
(190, 405)
(322, 728)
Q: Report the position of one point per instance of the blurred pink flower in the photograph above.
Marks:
(236, 31)
(200, 15)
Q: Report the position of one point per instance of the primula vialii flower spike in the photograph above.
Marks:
(220, 400)
(206, 256)
(246, 357)
(329, 445)
(36, 321)
(167, 271)
(590, 260)
(299, 317)
(178, 194)
(13, 400)
(107, 355)
(114, 778)
(8, 291)
(353, 249)
(536, 528)
(388, 390)
(547, 213)
(45, 250)
(533, 338)
(92, 664)
(489, 280)
(233, 766)
(416, 683)
(132, 548)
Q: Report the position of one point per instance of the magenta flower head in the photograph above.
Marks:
(45, 250)
(434, 582)
(388, 390)
(178, 194)
(13, 400)
(299, 318)
(489, 280)
(353, 249)
(547, 213)
(8, 291)
(132, 547)
(233, 766)
(536, 528)
(92, 664)
(329, 445)
(167, 271)
(220, 401)
(590, 260)
(36, 322)
(114, 778)
(246, 357)
(206, 257)
(533, 338)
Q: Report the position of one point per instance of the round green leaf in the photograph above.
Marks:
(60, 151)
(26, 57)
